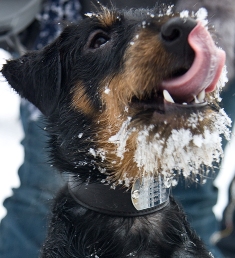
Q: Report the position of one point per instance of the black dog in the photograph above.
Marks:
(130, 100)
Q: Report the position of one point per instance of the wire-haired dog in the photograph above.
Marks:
(131, 102)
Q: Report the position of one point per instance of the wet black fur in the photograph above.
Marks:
(46, 78)
(80, 233)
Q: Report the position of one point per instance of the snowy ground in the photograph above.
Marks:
(11, 133)
(11, 152)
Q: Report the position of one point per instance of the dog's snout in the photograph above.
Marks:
(175, 32)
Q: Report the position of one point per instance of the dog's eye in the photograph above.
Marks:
(98, 40)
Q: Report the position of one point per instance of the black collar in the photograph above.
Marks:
(119, 201)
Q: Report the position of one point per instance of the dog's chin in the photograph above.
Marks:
(186, 140)
(162, 136)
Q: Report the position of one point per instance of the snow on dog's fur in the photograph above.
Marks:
(129, 96)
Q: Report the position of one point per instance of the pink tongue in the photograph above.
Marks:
(205, 71)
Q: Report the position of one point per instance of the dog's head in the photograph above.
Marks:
(128, 94)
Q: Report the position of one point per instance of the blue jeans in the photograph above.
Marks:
(197, 201)
(23, 230)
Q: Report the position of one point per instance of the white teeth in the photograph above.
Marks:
(196, 100)
(168, 97)
(201, 96)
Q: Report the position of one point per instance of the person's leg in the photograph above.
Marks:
(23, 229)
(198, 201)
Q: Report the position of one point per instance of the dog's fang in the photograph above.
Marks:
(168, 97)
(201, 96)
(196, 100)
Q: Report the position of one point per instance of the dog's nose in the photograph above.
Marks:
(174, 34)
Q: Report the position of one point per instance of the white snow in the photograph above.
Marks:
(11, 133)
(169, 10)
(106, 90)
(184, 14)
(89, 14)
(92, 152)
(11, 152)
(221, 83)
(201, 15)
(80, 135)
(120, 138)
(181, 152)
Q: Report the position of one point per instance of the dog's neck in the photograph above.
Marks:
(144, 198)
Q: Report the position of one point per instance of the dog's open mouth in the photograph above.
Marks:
(187, 88)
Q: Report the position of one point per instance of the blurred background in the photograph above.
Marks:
(11, 133)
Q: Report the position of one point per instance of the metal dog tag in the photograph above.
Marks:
(148, 193)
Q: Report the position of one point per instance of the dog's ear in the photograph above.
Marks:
(36, 76)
